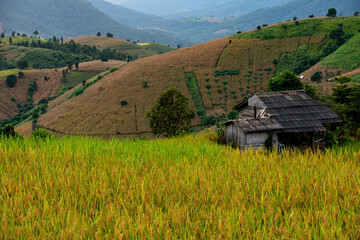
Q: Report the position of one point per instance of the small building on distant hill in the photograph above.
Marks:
(288, 118)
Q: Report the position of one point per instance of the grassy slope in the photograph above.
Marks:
(307, 27)
(157, 48)
(179, 188)
(102, 114)
(114, 43)
(347, 56)
(39, 58)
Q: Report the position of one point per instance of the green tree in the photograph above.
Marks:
(2, 35)
(233, 114)
(258, 27)
(356, 14)
(22, 64)
(110, 35)
(98, 34)
(331, 12)
(285, 81)
(11, 81)
(36, 33)
(170, 115)
(10, 40)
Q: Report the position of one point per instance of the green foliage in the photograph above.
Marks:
(11, 81)
(192, 84)
(8, 131)
(331, 12)
(32, 88)
(145, 84)
(77, 92)
(317, 76)
(170, 115)
(41, 134)
(113, 70)
(308, 27)
(347, 56)
(44, 58)
(226, 72)
(301, 59)
(123, 103)
(285, 81)
(22, 64)
(233, 114)
(209, 120)
(21, 75)
(311, 91)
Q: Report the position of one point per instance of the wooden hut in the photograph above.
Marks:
(291, 118)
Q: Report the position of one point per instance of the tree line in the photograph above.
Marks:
(76, 48)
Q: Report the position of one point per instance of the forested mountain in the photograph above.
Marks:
(163, 8)
(235, 8)
(128, 16)
(69, 18)
(200, 30)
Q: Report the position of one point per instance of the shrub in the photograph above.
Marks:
(113, 70)
(145, 84)
(208, 86)
(21, 75)
(316, 77)
(123, 103)
(209, 120)
(11, 81)
(8, 131)
(41, 134)
(22, 64)
(233, 114)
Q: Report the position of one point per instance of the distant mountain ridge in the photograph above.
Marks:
(201, 30)
(69, 18)
(235, 8)
(163, 8)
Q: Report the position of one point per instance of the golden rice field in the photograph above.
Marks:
(182, 188)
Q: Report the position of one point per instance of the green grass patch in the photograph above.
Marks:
(20, 39)
(308, 27)
(193, 86)
(74, 78)
(157, 48)
(356, 78)
(180, 188)
(8, 72)
(347, 56)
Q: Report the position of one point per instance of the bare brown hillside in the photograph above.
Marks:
(45, 88)
(99, 111)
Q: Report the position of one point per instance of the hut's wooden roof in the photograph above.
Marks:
(295, 111)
